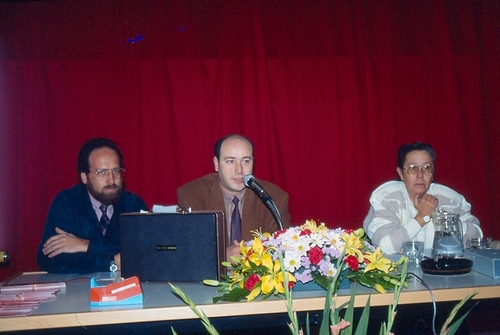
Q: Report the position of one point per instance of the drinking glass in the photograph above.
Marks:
(414, 251)
(474, 243)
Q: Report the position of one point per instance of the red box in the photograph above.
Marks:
(126, 292)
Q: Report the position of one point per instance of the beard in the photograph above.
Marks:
(108, 198)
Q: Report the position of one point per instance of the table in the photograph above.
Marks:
(72, 308)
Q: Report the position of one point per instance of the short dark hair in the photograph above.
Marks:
(221, 140)
(83, 164)
(407, 148)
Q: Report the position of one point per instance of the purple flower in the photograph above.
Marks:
(305, 262)
(368, 246)
(333, 252)
(324, 267)
(304, 276)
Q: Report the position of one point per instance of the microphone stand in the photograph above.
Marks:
(269, 202)
(276, 213)
(250, 182)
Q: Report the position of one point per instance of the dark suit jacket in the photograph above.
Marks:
(205, 194)
(72, 212)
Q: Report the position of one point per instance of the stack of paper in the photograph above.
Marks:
(20, 300)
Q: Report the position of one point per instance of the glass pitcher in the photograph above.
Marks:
(448, 236)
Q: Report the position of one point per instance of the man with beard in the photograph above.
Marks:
(82, 231)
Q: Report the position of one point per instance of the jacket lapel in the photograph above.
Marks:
(216, 200)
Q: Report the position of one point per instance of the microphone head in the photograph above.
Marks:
(248, 180)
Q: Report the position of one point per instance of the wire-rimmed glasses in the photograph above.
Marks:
(118, 173)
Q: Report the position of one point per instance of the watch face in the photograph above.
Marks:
(426, 219)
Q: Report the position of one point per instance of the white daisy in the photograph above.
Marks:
(292, 261)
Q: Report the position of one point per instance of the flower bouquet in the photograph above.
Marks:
(310, 253)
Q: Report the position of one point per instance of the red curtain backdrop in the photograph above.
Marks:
(327, 90)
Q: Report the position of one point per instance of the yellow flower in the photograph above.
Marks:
(254, 294)
(353, 245)
(257, 246)
(237, 279)
(259, 234)
(243, 249)
(313, 227)
(259, 256)
(377, 261)
(273, 281)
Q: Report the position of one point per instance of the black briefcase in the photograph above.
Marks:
(172, 247)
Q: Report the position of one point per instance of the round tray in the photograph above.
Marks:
(446, 266)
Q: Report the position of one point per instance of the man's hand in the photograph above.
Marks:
(64, 243)
(233, 250)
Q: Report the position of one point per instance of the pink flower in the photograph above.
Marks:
(252, 281)
(315, 255)
(338, 327)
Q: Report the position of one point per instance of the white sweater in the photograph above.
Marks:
(390, 221)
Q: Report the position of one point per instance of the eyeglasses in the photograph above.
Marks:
(118, 173)
(412, 170)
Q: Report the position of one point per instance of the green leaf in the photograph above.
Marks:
(308, 324)
(332, 289)
(322, 281)
(204, 319)
(236, 294)
(324, 328)
(362, 328)
(454, 312)
(266, 296)
(349, 314)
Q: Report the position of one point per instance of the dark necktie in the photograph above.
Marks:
(105, 221)
(236, 222)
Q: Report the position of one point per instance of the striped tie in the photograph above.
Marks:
(105, 221)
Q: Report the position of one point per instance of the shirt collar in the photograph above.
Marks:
(229, 197)
(96, 204)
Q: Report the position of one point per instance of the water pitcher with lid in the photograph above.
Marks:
(448, 235)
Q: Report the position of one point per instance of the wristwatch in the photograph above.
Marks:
(426, 218)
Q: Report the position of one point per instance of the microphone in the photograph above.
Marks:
(251, 183)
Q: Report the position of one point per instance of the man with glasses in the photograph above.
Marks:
(402, 210)
(82, 231)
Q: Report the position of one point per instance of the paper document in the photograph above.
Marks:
(165, 209)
